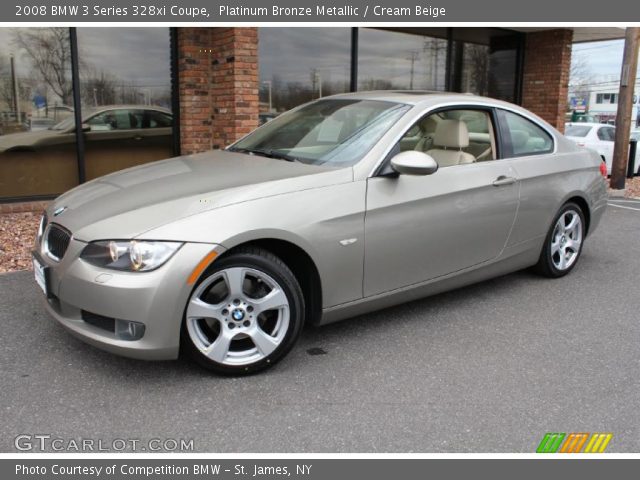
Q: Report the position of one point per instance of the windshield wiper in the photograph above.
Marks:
(267, 153)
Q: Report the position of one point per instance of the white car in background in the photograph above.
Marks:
(599, 137)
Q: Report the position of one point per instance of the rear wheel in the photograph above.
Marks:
(245, 313)
(563, 244)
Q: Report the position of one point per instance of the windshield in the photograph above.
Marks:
(577, 131)
(65, 124)
(336, 132)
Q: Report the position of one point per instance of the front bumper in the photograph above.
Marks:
(156, 299)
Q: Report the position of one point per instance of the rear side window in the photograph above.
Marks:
(607, 134)
(523, 137)
(577, 131)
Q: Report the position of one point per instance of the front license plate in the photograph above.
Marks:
(40, 272)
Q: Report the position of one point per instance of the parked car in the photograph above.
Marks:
(115, 137)
(599, 137)
(111, 123)
(55, 112)
(37, 124)
(339, 207)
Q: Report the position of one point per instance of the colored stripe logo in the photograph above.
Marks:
(574, 443)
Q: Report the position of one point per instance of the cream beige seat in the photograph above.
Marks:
(450, 138)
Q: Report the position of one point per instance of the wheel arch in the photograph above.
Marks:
(301, 264)
(584, 206)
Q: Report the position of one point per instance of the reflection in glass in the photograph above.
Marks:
(35, 95)
(125, 88)
(400, 61)
(301, 64)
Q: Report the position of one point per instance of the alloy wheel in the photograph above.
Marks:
(238, 316)
(566, 240)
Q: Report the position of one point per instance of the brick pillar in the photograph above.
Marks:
(218, 86)
(547, 61)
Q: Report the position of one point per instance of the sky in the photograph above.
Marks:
(603, 59)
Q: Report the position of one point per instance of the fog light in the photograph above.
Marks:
(126, 330)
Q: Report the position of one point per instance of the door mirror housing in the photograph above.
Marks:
(413, 162)
(86, 127)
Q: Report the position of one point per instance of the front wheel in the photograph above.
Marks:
(563, 243)
(244, 314)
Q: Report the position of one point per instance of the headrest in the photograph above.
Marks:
(451, 134)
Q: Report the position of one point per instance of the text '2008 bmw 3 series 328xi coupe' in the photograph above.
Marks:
(338, 207)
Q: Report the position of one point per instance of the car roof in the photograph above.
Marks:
(417, 97)
(410, 97)
(589, 124)
(104, 108)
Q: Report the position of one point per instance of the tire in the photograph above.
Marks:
(227, 326)
(562, 245)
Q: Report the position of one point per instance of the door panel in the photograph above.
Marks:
(422, 227)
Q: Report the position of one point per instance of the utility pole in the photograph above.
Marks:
(14, 88)
(625, 108)
(413, 56)
(268, 84)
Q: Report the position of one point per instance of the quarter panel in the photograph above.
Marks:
(547, 181)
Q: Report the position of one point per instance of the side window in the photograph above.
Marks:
(157, 119)
(130, 119)
(453, 137)
(607, 134)
(524, 136)
(103, 121)
(116, 120)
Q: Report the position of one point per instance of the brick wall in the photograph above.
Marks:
(218, 86)
(547, 62)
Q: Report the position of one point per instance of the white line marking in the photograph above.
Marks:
(626, 208)
(624, 200)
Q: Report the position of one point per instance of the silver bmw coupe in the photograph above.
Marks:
(341, 206)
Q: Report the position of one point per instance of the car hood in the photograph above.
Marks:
(128, 203)
(25, 139)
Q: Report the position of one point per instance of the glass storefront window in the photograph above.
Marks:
(125, 89)
(35, 95)
(485, 62)
(390, 60)
(301, 64)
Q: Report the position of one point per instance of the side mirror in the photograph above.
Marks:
(413, 162)
(86, 127)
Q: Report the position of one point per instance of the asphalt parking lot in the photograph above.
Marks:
(490, 368)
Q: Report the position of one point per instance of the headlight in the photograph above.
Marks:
(41, 227)
(129, 255)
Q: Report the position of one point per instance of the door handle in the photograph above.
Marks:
(503, 180)
(137, 137)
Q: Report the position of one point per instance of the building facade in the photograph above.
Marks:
(602, 103)
(143, 94)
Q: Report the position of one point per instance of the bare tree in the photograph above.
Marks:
(47, 49)
(98, 87)
(476, 71)
(25, 87)
(580, 77)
